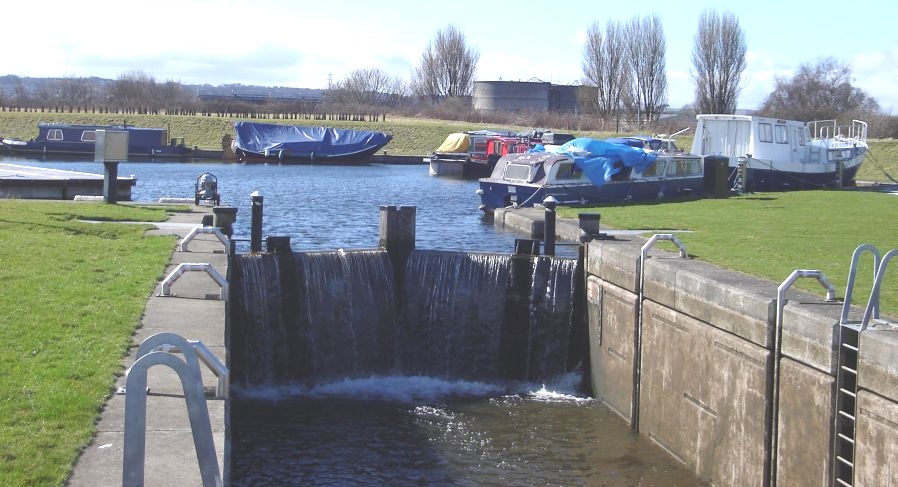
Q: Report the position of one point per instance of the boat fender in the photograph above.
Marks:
(281, 155)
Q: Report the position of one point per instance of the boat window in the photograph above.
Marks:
(88, 136)
(765, 132)
(568, 171)
(478, 144)
(656, 169)
(686, 167)
(519, 172)
(54, 134)
(782, 134)
(801, 135)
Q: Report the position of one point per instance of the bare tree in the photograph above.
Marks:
(605, 68)
(72, 91)
(817, 92)
(718, 58)
(647, 51)
(447, 67)
(366, 87)
(135, 90)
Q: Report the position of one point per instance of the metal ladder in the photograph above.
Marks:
(847, 365)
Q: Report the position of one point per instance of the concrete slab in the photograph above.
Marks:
(170, 453)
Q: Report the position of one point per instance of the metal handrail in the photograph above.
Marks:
(874, 293)
(182, 247)
(194, 266)
(774, 384)
(852, 274)
(188, 370)
(637, 332)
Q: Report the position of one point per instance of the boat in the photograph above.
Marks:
(590, 171)
(769, 154)
(268, 142)
(62, 139)
(473, 154)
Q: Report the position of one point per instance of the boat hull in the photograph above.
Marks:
(457, 169)
(283, 157)
(500, 194)
(762, 176)
(83, 150)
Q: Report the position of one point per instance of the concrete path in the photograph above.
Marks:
(170, 453)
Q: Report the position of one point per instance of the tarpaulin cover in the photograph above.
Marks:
(454, 143)
(297, 140)
(601, 160)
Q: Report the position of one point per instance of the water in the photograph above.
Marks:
(398, 430)
(324, 207)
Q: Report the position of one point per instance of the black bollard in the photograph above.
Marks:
(397, 230)
(589, 226)
(110, 181)
(549, 227)
(255, 239)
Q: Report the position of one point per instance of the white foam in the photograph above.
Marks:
(419, 390)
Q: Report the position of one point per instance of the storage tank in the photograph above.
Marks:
(512, 95)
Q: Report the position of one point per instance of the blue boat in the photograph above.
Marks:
(62, 139)
(267, 142)
(589, 171)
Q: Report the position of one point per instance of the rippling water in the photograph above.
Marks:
(324, 207)
(399, 431)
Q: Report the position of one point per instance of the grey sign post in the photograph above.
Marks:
(110, 148)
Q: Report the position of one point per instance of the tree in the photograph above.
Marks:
(821, 91)
(718, 58)
(367, 87)
(647, 49)
(133, 89)
(447, 67)
(604, 67)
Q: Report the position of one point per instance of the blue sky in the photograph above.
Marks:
(302, 44)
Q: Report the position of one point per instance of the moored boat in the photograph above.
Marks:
(589, 171)
(295, 144)
(768, 154)
(62, 139)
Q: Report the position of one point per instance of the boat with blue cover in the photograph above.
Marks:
(268, 142)
(63, 139)
(590, 171)
(769, 154)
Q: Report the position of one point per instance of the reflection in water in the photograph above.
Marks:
(508, 439)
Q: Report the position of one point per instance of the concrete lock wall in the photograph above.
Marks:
(706, 382)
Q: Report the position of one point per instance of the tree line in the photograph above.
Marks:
(623, 86)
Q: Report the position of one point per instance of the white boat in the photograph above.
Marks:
(783, 154)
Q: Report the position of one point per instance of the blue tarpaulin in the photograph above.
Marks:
(601, 160)
(299, 141)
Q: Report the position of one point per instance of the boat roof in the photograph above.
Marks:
(75, 126)
(298, 139)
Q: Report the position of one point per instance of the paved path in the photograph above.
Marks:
(170, 454)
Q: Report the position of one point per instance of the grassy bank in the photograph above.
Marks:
(72, 295)
(770, 234)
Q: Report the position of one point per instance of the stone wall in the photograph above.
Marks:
(689, 363)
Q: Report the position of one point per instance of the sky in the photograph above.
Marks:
(305, 44)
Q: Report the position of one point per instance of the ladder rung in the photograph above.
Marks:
(843, 413)
(845, 461)
(842, 482)
(846, 391)
(843, 437)
(850, 347)
(845, 368)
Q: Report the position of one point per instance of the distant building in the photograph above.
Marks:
(535, 96)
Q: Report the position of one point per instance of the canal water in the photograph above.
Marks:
(401, 430)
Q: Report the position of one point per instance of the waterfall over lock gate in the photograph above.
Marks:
(317, 317)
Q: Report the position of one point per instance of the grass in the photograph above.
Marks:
(72, 296)
(770, 234)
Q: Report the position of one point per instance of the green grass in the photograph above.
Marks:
(72, 295)
(770, 234)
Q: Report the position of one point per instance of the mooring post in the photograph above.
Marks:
(255, 239)
(224, 217)
(589, 226)
(397, 230)
(110, 181)
(549, 227)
